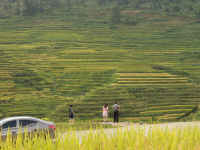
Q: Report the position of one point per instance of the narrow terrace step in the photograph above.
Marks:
(151, 78)
(144, 74)
(167, 81)
(150, 84)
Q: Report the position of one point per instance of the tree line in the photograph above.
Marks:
(31, 7)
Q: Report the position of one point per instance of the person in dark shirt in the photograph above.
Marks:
(71, 114)
(116, 112)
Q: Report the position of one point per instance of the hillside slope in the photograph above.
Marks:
(151, 67)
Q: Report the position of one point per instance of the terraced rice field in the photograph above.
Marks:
(139, 79)
(45, 68)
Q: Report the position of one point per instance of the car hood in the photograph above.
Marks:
(49, 122)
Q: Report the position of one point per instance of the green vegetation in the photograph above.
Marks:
(177, 8)
(143, 54)
(137, 138)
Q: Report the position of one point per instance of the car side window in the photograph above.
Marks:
(10, 124)
(25, 123)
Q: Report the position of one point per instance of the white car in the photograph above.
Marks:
(24, 125)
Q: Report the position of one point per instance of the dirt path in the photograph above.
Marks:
(123, 125)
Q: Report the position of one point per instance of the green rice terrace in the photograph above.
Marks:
(48, 62)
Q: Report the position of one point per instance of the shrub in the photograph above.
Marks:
(131, 21)
(190, 7)
(167, 9)
(154, 118)
(176, 8)
(23, 74)
(115, 14)
(39, 88)
(159, 67)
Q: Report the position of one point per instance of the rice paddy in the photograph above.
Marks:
(87, 64)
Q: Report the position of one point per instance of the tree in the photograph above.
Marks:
(115, 14)
(5, 6)
(9, 6)
(190, 7)
(118, 2)
(17, 8)
(159, 5)
(167, 9)
(55, 3)
(35, 4)
(41, 6)
(69, 4)
(198, 12)
(176, 8)
(136, 4)
(82, 2)
(100, 2)
(30, 6)
(151, 5)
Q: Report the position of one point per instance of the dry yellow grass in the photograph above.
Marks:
(138, 118)
(171, 110)
(167, 116)
(159, 118)
(155, 81)
(83, 60)
(175, 114)
(5, 98)
(71, 85)
(151, 84)
(191, 98)
(27, 46)
(65, 90)
(73, 80)
(133, 138)
(150, 78)
(144, 74)
(176, 51)
(171, 106)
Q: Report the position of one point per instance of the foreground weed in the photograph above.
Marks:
(129, 138)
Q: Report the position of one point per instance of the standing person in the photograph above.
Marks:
(116, 112)
(71, 114)
(105, 112)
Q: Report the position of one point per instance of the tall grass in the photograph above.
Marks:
(137, 138)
